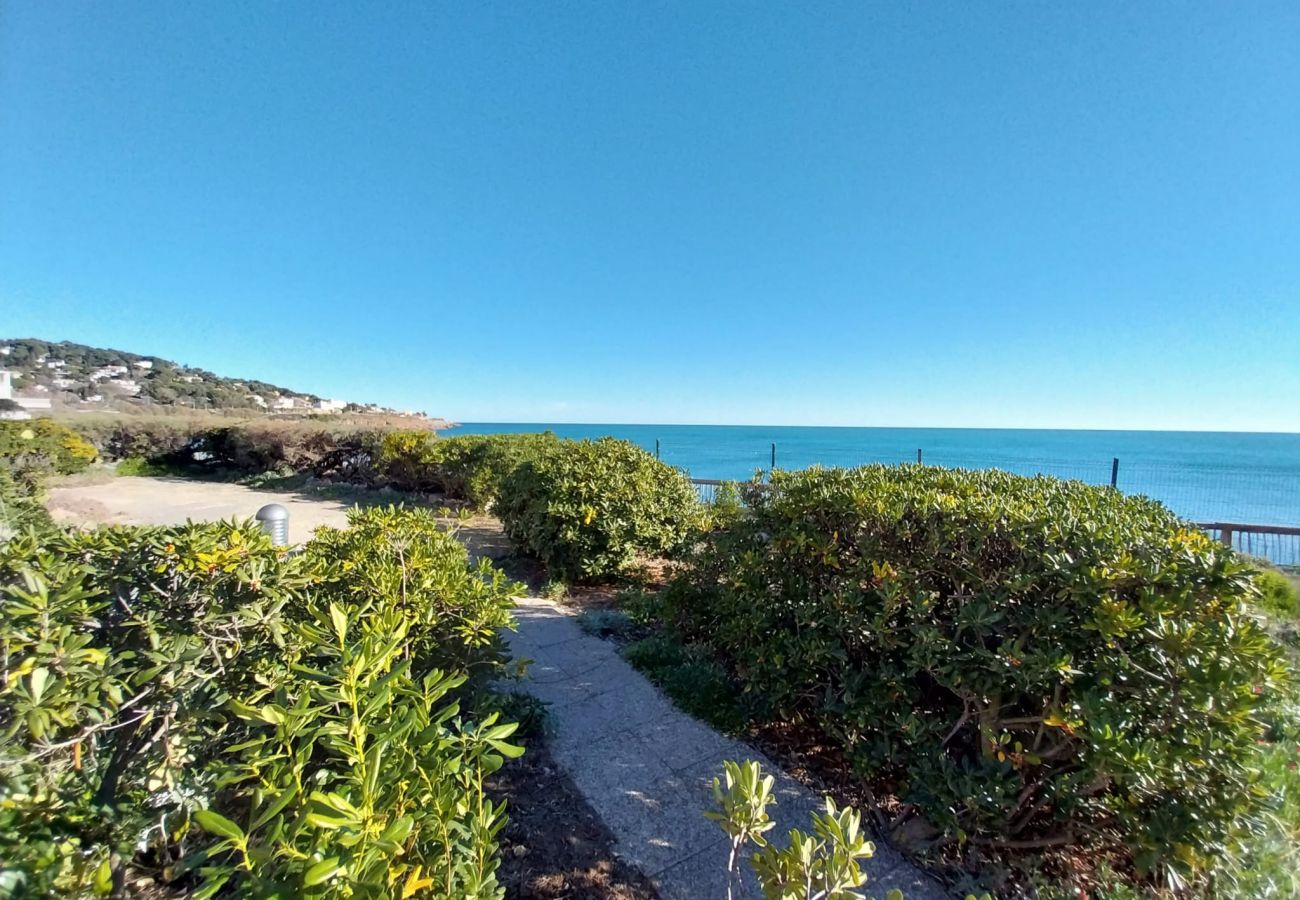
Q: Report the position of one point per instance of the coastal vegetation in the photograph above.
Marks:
(193, 711)
(1054, 686)
(587, 509)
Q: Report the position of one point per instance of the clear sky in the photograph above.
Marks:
(946, 214)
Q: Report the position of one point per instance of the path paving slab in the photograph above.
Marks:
(647, 768)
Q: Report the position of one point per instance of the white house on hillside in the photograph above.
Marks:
(7, 393)
(330, 405)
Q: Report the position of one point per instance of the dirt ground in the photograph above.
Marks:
(172, 501)
(554, 846)
(100, 498)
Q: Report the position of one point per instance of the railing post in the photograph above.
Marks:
(1114, 472)
(774, 454)
(1225, 535)
(656, 448)
(918, 456)
(274, 520)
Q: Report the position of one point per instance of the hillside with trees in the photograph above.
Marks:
(79, 376)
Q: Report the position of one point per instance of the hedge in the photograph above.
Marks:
(587, 509)
(1033, 662)
(464, 467)
(194, 706)
(35, 448)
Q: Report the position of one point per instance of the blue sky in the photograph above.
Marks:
(1021, 215)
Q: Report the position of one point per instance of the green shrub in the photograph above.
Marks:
(207, 709)
(407, 460)
(1029, 659)
(32, 449)
(586, 509)
(605, 622)
(141, 437)
(823, 865)
(21, 505)
(693, 679)
(464, 467)
(119, 647)
(323, 450)
(456, 609)
(1278, 595)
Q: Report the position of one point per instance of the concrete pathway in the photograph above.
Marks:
(647, 769)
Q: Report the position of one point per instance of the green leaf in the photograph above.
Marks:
(340, 620)
(218, 824)
(36, 683)
(322, 871)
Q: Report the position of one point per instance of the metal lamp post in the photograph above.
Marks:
(274, 520)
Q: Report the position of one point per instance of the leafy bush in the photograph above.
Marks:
(154, 439)
(1278, 595)
(464, 467)
(118, 647)
(34, 448)
(1032, 660)
(21, 507)
(820, 866)
(693, 679)
(407, 460)
(587, 508)
(302, 710)
(605, 622)
(322, 450)
(456, 609)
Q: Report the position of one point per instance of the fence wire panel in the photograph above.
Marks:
(1087, 471)
(1218, 494)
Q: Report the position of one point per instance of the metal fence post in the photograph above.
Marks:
(274, 520)
(1114, 472)
(774, 454)
(656, 448)
(918, 456)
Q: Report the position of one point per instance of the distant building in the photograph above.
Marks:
(258, 399)
(6, 350)
(330, 405)
(143, 364)
(63, 382)
(54, 364)
(127, 385)
(284, 403)
(108, 372)
(7, 393)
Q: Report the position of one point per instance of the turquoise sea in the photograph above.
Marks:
(1205, 476)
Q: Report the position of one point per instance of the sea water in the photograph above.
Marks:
(1205, 476)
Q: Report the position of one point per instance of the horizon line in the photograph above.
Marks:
(458, 423)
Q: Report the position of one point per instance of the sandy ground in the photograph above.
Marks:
(101, 499)
(172, 501)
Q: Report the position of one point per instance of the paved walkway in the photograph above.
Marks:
(647, 768)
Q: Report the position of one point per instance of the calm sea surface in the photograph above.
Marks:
(1205, 476)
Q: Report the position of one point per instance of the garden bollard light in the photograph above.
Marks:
(274, 520)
